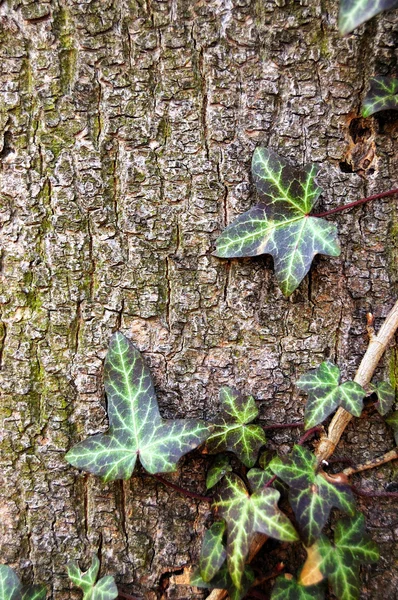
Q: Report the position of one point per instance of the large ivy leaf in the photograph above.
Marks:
(287, 588)
(383, 95)
(355, 12)
(213, 552)
(385, 396)
(312, 495)
(223, 581)
(325, 394)
(220, 467)
(105, 589)
(135, 425)
(10, 586)
(246, 515)
(281, 225)
(231, 429)
(340, 563)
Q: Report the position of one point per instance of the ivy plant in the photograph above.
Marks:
(104, 589)
(382, 95)
(136, 428)
(11, 587)
(287, 588)
(355, 12)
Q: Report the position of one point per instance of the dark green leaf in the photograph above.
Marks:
(10, 586)
(135, 425)
(34, 592)
(105, 589)
(325, 394)
(312, 495)
(340, 563)
(355, 12)
(281, 225)
(213, 552)
(287, 588)
(246, 515)
(220, 467)
(385, 396)
(232, 432)
(392, 421)
(383, 95)
(223, 581)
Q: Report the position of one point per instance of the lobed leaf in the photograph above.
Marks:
(355, 12)
(280, 225)
(231, 430)
(135, 425)
(312, 495)
(223, 581)
(104, 589)
(220, 467)
(246, 515)
(213, 552)
(383, 95)
(287, 588)
(392, 421)
(385, 396)
(325, 394)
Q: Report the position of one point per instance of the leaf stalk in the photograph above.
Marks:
(356, 203)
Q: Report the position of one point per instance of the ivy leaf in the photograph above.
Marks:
(135, 425)
(312, 495)
(392, 421)
(280, 225)
(355, 12)
(245, 515)
(287, 588)
(223, 581)
(231, 429)
(383, 95)
(220, 467)
(340, 563)
(325, 394)
(385, 396)
(213, 552)
(105, 589)
(10, 586)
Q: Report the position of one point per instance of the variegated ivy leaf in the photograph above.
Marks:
(355, 12)
(385, 396)
(223, 581)
(392, 421)
(105, 589)
(340, 563)
(213, 552)
(231, 430)
(280, 225)
(383, 95)
(135, 425)
(11, 587)
(325, 394)
(220, 467)
(312, 495)
(287, 588)
(246, 515)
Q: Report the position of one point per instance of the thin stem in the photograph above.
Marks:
(183, 491)
(373, 494)
(283, 426)
(270, 481)
(308, 434)
(372, 464)
(357, 203)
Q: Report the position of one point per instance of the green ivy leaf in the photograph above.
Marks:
(246, 515)
(383, 95)
(223, 581)
(213, 552)
(105, 589)
(10, 586)
(287, 588)
(325, 394)
(340, 563)
(135, 425)
(281, 225)
(312, 495)
(385, 396)
(231, 430)
(355, 12)
(220, 467)
(392, 421)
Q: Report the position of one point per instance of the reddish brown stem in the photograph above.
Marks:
(357, 203)
(270, 481)
(308, 434)
(373, 494)
(183, 491)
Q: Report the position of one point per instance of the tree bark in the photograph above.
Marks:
(126, 133)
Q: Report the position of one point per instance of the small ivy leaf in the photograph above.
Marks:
(213, 552)
(340, 563)
(392, 421)
(325, 394)
(135, 425)
(220, 467)
(355, 12)
(34, 592)
(223, 581)
(245, 515)
(231, 430)
(385, 396)
(287, 588)
(10, 586)
(312, 495)
(383, 95)
(280, 225)
(105, 589)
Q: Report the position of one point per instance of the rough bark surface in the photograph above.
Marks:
(126, 133)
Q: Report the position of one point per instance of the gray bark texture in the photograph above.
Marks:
(126, 134)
